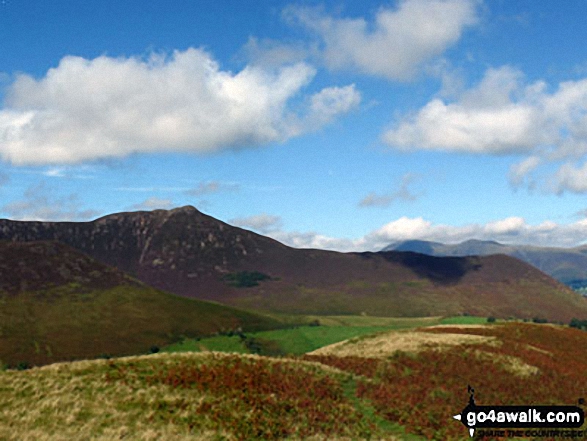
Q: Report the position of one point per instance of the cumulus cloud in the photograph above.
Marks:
(570, 177)
(396, 42)
(403, 193)
(498, 116)
(331, 102)
(274, 53)
(40, 203)
(314, 240)
(154, 203)
(504, 114)
(111, 107)
(511, 230)
(263, 223)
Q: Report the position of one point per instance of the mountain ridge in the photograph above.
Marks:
(567, 265)
(189, 253)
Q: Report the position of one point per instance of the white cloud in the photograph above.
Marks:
(509, 230)
(41, 204)
(331, 102)
(111, 107)
(505, 115)
(510, 225)
(263, 223)
(403, 193)
(519, 172)
(54, 172)
(274, 53)
(497, 116)
(512, 230)
(403, 228)
(570, 177)
(154, 203)
(313, 240)
(397, 42)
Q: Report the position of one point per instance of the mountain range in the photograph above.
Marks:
(567, 265)
(190, 254)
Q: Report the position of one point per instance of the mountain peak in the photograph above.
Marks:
(185, 209)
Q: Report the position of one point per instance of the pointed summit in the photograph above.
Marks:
(185, 209)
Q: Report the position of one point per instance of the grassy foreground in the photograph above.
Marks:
(180, 397)
(402, 384)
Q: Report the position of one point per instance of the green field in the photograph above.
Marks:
(303, 339)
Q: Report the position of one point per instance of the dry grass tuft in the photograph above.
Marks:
(510, 363)
(384, 345)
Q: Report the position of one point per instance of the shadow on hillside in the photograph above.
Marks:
(441, 270)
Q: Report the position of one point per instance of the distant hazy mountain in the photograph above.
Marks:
(189, 253)
(568, 265)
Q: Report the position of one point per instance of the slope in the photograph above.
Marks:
(59, 304)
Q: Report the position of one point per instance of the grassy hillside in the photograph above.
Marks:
(119, 321)
(417, 378)
(181, 397)
(383, 387)
(409, 285)
(58, 304)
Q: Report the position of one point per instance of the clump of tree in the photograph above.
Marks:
(263, 346)
(245, 279)
(578, 324)
(539, 320)
(490, 319)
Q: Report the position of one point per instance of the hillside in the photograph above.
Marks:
(420, 376)
(567, 265)
(59, 304)
(194, 255)
(399, 385)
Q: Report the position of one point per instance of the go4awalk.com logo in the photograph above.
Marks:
(522, 420)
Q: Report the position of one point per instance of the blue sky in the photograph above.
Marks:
(343, 125)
